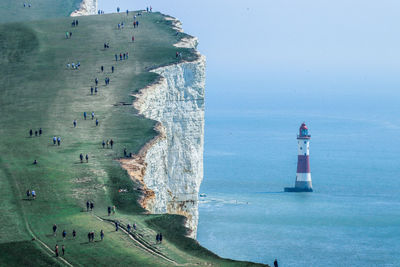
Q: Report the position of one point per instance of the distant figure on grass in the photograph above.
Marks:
(84, 115)
(125, 152)
(160, 238)
(81, 157)
(33, 194)
(92, 115)
(116, 226)
(129, 228)
(55, 229)
(74, 123)
(275, 263)
(97, 122)
(40, 131)
(118, 9)
(103, 144)
(126, 55)
(87, 158)
(107, 143)
(70, 34)
(63, 250)
(120, 56)
(64, 234)
(157, 238)
(111, 143)
(133, 39)
(96, 81)
(116, 57)
(91, 206)
(89, 235)
(67, 35)
(91, 90)
(134, 226)
(36, 133)
(58, 141)
(92, 235)
(35, 162)
(95, 90)
(30, 132)
(113, 209)
(109, 210)
(28, 193)
(112, 69)
(102, 68)
(87, 205)
(73, 233)
(101, 235)
(54, 140)
(56, 250)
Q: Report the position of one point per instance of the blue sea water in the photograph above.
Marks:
(353, 216)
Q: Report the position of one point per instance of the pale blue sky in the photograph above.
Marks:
(315, 47)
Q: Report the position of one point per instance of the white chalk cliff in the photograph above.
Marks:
(87, 7)
(170, 167)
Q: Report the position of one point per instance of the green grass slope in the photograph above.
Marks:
(12, 10)
(37, 90)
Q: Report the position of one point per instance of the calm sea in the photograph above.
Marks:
(352, 218)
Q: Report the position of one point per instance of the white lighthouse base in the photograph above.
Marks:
(300, 186)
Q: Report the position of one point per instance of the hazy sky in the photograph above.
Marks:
(340, 46)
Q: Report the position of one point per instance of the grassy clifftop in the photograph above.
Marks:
(37, 90)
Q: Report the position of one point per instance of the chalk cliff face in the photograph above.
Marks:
(87, 7)
(170, 167)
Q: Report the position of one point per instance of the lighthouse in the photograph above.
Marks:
(303, 175)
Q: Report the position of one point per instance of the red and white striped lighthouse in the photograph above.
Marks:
(303, 175)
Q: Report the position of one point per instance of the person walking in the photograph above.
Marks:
(30, 132)
(56, 250)
(54, 140)
(109, 210)
(102, 68)
(157, 238)
(102, 235)
(36, 133)
(125, 152)
(28, 193)
(97, 122)
(129, 228)
(133, 39)
(92, 115)
(55, 229)
(103, 143)
(160, 238)
(95, 90)
(84, 115)
(116, 226)
(81, 157)
(40, 131)
(87, 158)
(89, 235)
(91, 90)
(275, 263)
(73, 233)
(91, 206)
(112, 69)
(113, 209)
(63, 250)
(58, 140)
(33, 194)
(111, 143)
(64, 234)
(116, 57)
(74, 123)
(87, 205)
(108, 142)
(96, 81)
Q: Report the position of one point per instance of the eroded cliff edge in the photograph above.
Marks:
(87, 7)
(170, 167)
